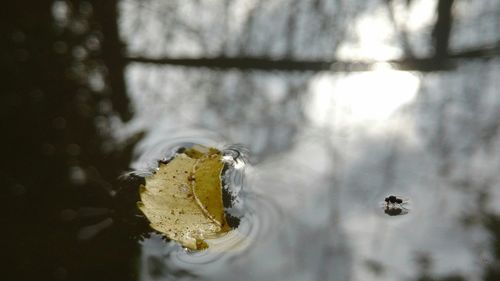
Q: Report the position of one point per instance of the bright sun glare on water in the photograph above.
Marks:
(363, 97)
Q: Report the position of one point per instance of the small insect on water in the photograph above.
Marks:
(393, 199)
(395, 206)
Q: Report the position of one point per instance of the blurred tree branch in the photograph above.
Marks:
(266, 63)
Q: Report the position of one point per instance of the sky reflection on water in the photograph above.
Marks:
(327, 148)
(348, 153)
(340, 103)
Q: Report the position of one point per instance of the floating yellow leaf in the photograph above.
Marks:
(207, 186)
(183, 199)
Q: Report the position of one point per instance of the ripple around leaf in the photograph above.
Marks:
(166, 145)
(260, 220)
(257, 216)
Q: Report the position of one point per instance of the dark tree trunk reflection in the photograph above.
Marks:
(56, 163)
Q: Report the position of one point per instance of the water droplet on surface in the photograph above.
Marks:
(184, 188)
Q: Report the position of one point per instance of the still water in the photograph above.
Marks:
(111, 88)
(325, 148)
(321, 164)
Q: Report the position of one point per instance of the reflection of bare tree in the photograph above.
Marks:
(400, 30)
(65, 80)
(259, 109)
(59, 158)
(238, 32)
(237, 40)
(442, 28)
(112, 54)
(267, 119)
(231, 60)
